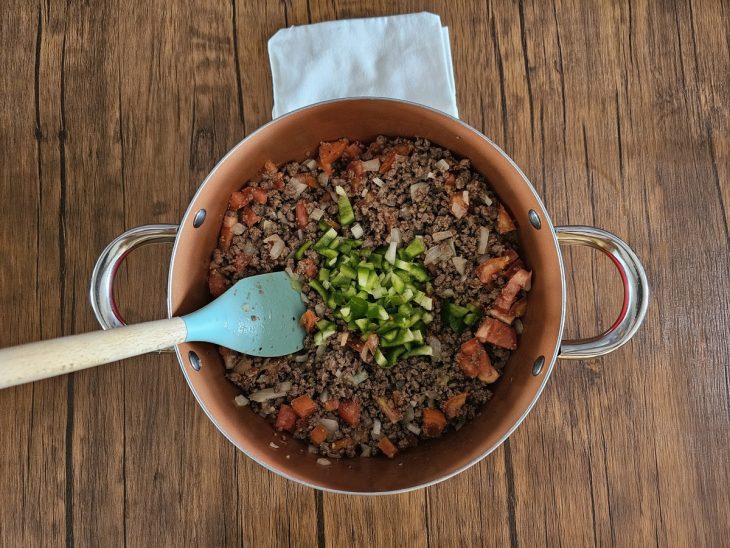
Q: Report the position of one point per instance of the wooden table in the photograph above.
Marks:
(111, 114)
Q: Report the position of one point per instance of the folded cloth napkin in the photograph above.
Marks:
(403, 57)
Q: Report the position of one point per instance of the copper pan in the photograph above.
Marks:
(297, 135)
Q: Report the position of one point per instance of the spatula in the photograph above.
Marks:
(258, 316)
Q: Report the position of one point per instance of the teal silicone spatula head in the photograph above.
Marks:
(258, 316)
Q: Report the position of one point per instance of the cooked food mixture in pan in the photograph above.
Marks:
(411, 273)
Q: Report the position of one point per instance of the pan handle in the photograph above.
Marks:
(636, 292)
(101, 293)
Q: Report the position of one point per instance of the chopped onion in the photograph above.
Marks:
(240, 400)
(465, 194)
(301, 358)
(431, 175)
(284, 386)
(438, 253)
(316, 214)
(378, 181)
(377, 425)
(366, 450)
(331, 425)
(323, 462)
(311, 164)
(237, 229)
(297, 186)
(390, 254)
(368, 349)
(321, 350)
(266, 394)
(356, 231)
(323, 178)
(443, 235)
(359, 377)
(324, 396)
(312, 449)
(415, 189)
(487, 201)
(293, 275)
(394, 235)
(249, 248)
(320, 309)
(273, 445)
(483, 240)
(268, 226)
(519, 327)
(277, 246)
(442, 165)
(343, 337)
(435, 345)
(300, 234)
(413, 428)
(459, 264)
(447, 293)
(371, 165)
(364, 192)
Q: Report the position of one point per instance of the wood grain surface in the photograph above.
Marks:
(111, 114)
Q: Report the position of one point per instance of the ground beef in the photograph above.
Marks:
(381, 202)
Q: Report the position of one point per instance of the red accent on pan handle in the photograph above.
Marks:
(636, 292)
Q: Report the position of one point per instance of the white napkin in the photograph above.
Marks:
(402, 57)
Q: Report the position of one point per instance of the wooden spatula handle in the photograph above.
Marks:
(40, 360)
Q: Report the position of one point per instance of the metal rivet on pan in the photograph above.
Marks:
(195, 362)
(199, 218)
(537, 366)
(534, 219)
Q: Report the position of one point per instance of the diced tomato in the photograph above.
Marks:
(229, 220)
(497, 333)
(308, 267)
(304, 406)
(241, 262)
(375, 148)
(518, 281)
(217, 284)
(434, 422)
(330, 153)
(286, 418)
(519, 308)
(471, 357)
(387, 161)
(354, 173)
(489, 269)
(318, 435)
(452, 406)
(504, 221)
(487, 373)
(249, 217)
(353, 151)
(505, 317)
(270, 167)
(449, 182)
(349, 411)
(331, 404)
(404, 149)
(238, 200)
(458, 205)
(259, 195)
(388, 410)
(278, 181)
(387, 447)
(302, 217)
(308, 321)
(344, 443)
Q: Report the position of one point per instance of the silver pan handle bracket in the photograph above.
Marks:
(635, 285)
(101, 293)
